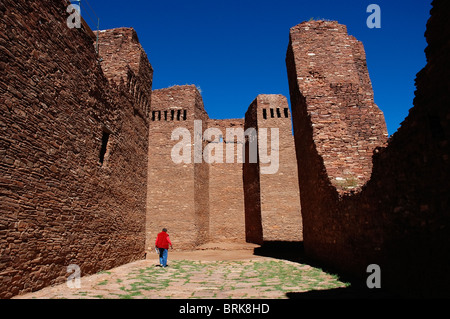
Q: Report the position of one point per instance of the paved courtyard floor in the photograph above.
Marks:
(209, 273)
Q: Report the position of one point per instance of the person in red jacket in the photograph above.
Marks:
(162, 244)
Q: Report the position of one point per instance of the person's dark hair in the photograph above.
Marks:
(164, 230)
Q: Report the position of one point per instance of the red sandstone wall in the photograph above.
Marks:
(332, 76)
(58, 204)
(123, 60)
(273, 199)
(252, 188)
(178, 194)
(335, 130)
(280, 203)
(201, 179)
(226, 189)
(400, 218)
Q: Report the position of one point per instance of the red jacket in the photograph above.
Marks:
(163, 240)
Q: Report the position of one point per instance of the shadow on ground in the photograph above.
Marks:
(294, 251)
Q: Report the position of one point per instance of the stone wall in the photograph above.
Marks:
(399, 219)
(251, 178)
(73, 154)
(178, 193)
(87, 176)
(333, 157)
(125, 62)
(226, 189)
(332, 75)
(213, 200)
(273, 191)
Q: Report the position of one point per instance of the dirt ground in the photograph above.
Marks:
(216, 252)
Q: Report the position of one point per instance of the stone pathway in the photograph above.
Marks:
(200, 274)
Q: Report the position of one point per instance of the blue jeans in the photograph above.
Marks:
(163, 256)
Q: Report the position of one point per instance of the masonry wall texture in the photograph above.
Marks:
(204, 201)
(226, 189)
(124, 62)
(73, 153)
(275, 203)
(332, 75)
(251, 180)
(178, 193)
(87, 176)
(399, 219)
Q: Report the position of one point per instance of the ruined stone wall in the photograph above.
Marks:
(332, 76)
(226, 189)
(275, 201)
(400, 218)
(73, 154)
(124, 61)
(178, 193)
(333, 154)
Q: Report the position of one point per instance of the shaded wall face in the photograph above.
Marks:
(336, 128)
(73, 155)
(411, 177)
(399, 219)
(178, 192)
(252, 188)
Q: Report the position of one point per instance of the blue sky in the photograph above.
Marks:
(235, 49)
